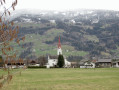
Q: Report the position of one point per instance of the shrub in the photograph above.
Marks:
(36, 67)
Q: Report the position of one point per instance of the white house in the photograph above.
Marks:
(116, 64)
(52, 60)
(87, 64)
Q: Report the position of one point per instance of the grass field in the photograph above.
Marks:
(66, 79)
(5, 72)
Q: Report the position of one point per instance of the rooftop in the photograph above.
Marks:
(104, 60)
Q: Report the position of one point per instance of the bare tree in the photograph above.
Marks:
(42, 61)
(8, 31)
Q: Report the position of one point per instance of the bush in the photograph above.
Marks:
(36, 67)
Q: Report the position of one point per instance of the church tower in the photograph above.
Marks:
(59, 50)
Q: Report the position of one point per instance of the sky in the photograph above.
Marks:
(68, 4)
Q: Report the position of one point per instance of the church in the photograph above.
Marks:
(52, 60)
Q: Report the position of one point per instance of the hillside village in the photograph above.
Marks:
(56, 45)
(89, 38)
(84, 33)
(51, 62)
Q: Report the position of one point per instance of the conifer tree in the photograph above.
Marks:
(61, 62)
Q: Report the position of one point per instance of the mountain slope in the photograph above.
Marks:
(87, 33)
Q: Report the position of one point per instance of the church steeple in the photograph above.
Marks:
(59, 44)
(59, 50)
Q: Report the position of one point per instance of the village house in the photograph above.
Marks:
(115, 63)
(86, 64)
(103, 63)
(33, 62)
(52, 61)
(74, 64)
(14, 63)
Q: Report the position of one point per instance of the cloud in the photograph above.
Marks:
(68, 4)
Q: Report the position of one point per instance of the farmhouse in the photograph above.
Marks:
(104, 63)
(74, 64)
(14, 63)
(115, 63)
(52, 60)
(86, 64)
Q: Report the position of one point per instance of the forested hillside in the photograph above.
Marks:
(84, 33)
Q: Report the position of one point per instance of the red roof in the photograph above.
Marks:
(59, 44)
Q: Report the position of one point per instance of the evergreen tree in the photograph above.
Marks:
(61, 62)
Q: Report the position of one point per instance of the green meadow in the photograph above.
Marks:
(5, 72)
(65, 79)
(41, 48)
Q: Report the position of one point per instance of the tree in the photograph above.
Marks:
(42, 61)
(8, 31)
(60, 61)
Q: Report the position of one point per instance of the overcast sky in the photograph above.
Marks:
(68, 4)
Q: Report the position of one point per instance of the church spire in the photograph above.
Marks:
(59, 50)
(59, 44)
